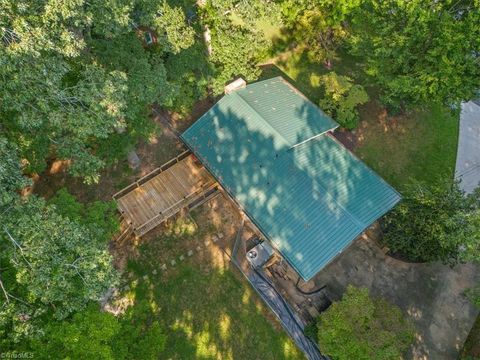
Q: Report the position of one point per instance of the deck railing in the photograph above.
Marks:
(173, 209)
(151, 174)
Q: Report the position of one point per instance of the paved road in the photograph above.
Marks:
(467, 168)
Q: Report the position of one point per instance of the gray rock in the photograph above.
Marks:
(173, 262)
(182, 257)
(190, 252)
(133, 160)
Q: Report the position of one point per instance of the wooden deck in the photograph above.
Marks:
(162, 193)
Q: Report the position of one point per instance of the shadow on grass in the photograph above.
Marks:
(206, 312)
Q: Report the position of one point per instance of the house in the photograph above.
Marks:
(273, 151)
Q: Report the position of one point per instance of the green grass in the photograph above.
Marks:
(420, 145)
(208, 311)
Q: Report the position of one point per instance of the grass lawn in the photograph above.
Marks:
(206, 308)
(419, 145)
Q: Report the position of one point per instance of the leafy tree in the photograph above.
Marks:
(11, 178)
(341, 99)
(420, 51)
(173, 31)
(237, 47)
(98, 217)
(361, 327)
(320, 26)
(53, 100)
(59, 263)
(140, 337)
(435, 223)
(87, 335)
(188, 72)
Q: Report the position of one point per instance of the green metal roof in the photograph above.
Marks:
(294, 117)
(310, 201)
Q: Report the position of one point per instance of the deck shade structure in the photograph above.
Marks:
(272, 151)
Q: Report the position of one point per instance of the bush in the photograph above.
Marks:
(361, 327)
(435, 223)
(99, 216)
(87, 335)
(341, 99)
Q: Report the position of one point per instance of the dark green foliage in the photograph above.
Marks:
(59, 261)
(435, 223)
(364, 328)
(342, 98)
(320, 26)
(473, 295)
(99, 217)
(11, 178)
(88, 334)
(311, 330)
(188, 72)
(420, 51)
(237, 45)
(140, 337)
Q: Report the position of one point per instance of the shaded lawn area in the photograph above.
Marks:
(420, 144)
(205, 307)
(214, 315)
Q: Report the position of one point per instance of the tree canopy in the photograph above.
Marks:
(420, 51)
(341, 99)
(364, 328)
(435, 223)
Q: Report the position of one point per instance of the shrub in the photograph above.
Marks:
(435, 223)
(98, 216)
(341, 99)
(361, 327)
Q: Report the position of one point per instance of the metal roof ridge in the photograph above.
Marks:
(261, 117)
(348, 213)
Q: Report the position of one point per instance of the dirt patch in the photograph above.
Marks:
(347, 138)
(208, 231)
(376, 121)
(153, 152)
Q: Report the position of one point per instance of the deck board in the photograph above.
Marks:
(163, 195)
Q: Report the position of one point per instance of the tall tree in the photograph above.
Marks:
(88, 334)
(58, 261)
(319, 25)
(419, 50)
(11, 178)
(237, 44)
(436, 223)
(341, 99)
(55, 100)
